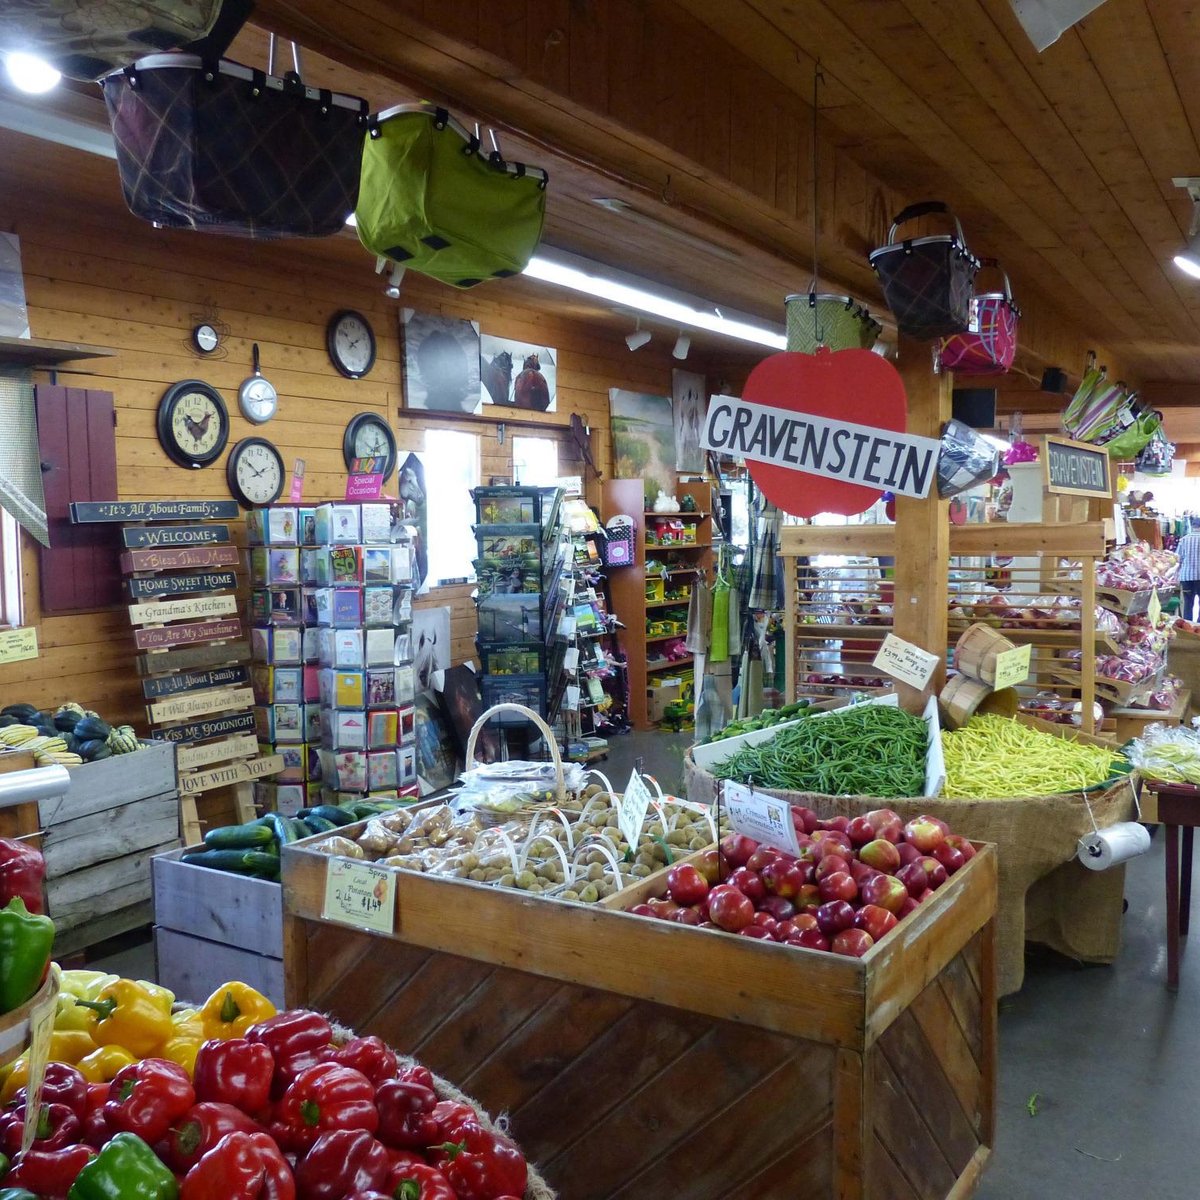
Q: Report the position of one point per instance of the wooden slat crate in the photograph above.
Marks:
(98, 841)
(210, 927)
(632, 1054)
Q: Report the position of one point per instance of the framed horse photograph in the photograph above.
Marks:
(517, 374)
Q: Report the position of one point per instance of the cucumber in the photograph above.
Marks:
(240, 862)
(331, 812)
(280, 827)
(239, 837)
(318, 825)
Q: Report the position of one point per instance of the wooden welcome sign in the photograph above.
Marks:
(174, 535)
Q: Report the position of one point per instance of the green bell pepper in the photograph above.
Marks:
(25, 942)
(126, 1169)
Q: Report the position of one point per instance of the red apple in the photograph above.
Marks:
(805, 920)
(783, 878)
(828, 865)
(882, 855)
(860, 872)
(962, 845)
(908, 906)
(861, 831)
(840, 823)
(935, 872)
(949, 857)
(838, 886)
(748, 883)
(780, 907)
(808, 898)
(709, 865)
(782, 930)
(765, 919)
(853, 943)
(756, 931)
(661, 907)
(808, 818)
(810, 939)
(887, 823)
(886, 891)
(908, 853)
(762, 856)
(914, 878)
(830, 839)
(875, 920)
(729, 909)
(685, 884)
(924, 833)
(687, 916)
(641, 910)
(834, 916)
(707, 925)
(737, 848)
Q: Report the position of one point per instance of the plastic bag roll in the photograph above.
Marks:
(1114, 845)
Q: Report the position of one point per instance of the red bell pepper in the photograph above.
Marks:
(236, 1072)
(297, 1039)
(96, 1132)
(324, 1098)
(64, 1084)
(370, 1056)
(341, 1162)
(415, 1073)
(406, 1118)
(57, 1126)
(451, 1117)
(241, 1166)
(147, 1096)
(481, 1165)
(22, 873)
(199, 1130)
(49, 1173)
(420, 1182)
(399, 1161)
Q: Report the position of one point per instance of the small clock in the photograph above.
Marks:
(368, 435)
(193, 423)
(255, 472)
(205, 339)
(351, 343)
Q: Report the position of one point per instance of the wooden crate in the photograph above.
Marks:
(99, 838)
(632, 1055)
(210, 927)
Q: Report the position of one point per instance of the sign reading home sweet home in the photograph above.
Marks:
(146, 587)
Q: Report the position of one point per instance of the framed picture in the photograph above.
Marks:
(688, 405)
(518, 374)
(441, 364)
(643, 434)
(434, 742)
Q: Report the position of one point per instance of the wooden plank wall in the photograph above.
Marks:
(101, 276)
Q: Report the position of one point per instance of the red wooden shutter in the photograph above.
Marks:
(78, 439)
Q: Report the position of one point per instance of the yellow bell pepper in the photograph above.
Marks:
(187, 1035)
(86, 985)
(159, 992)
(126, 1014)
(101, 1066)
(69, 1016)
(232, 1009)
(65, 1047)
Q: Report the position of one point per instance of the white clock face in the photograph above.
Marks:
(259, 474)
(352, 340)
(258, 400)
(206, 338)
(196, 424)
(371, 441)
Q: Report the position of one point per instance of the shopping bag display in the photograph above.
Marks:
(927, 280)
(230, 149)
(989, 343)
(85, 39)
(432, 201)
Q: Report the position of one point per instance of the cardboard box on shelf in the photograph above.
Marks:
(660, 694)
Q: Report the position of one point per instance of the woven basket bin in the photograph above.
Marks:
(838, 322)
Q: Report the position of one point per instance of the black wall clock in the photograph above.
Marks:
(193, 423)
(368, 435)
(255, 472)
(351, 343)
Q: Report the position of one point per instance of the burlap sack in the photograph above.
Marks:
(1044, 895)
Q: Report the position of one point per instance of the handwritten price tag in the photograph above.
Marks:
(1154, 608)
(41, 1026)
(905, 662)
(766, 819)
(1012, 667)
(360, 894)
(632, 808)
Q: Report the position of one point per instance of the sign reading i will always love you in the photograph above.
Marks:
(824, 432)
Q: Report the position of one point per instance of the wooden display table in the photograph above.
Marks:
(1132, 722)
(639, 1058)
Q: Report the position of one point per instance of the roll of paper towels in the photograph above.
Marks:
(1116, 844)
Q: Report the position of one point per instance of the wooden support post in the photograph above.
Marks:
(923, 526)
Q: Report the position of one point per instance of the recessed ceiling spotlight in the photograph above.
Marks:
(29, 73)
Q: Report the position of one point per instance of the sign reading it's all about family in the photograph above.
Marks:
(824, 432)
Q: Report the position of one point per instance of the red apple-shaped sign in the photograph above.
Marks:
(853, 386)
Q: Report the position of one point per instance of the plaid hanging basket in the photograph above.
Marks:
(432, 201)
(229, 149)
(85, 39)
(927, 280)
(820, 319)
(989, 344)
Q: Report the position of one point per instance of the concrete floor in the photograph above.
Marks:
(1109, 1054)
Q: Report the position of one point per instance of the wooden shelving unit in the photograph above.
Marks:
(628, 584)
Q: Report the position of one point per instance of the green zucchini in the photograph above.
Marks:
(240, 862)
(331, 812)
(239, 837)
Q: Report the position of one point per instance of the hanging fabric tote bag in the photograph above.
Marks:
(927, 280)
(431, 201)
(990, 342)
(819, 319)
(84, 39)
(229, 149)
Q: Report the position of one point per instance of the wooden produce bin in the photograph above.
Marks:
(212, 926)
(640, 1058)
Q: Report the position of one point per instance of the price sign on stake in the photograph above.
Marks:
(632, 808)
(1154, 608)
(41, 1026)
(360, 894)
(766, 819)
(905, 662)
(1012, 667)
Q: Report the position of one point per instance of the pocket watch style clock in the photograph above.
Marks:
(351, 343)
(193, 423)
(255, 472)
(368, 435)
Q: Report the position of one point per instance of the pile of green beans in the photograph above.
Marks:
(868, 751)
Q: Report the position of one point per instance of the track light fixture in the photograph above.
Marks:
(1188, 259)
(683, 344)
(638, 338)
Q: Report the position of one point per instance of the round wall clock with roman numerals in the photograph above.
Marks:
(193, 423)
(368, 435)
(255, 472)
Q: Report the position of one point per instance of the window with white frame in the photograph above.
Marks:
(535, 461)
(11, 597)
(451, 471)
